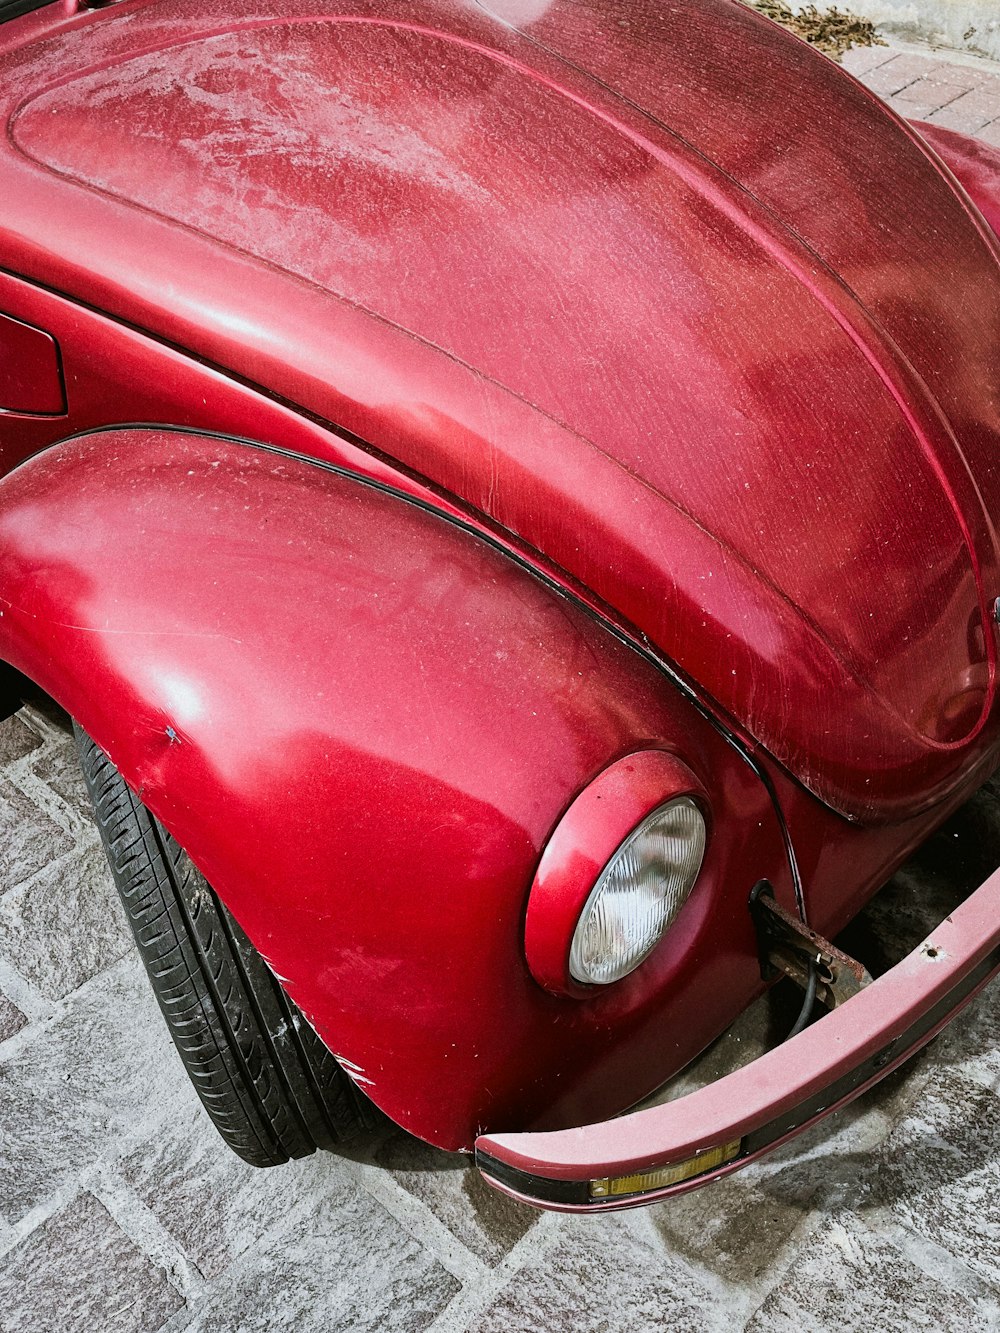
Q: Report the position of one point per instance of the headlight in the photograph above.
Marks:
(615, 872)
(640, 891)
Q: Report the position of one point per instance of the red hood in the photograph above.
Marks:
(705, 325)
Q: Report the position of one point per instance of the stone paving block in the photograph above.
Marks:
(87, 1087)
(738, 1227)
(909, 65)
(80, 1273)
(64, 925)
(11, 1018)
(949, 85)
(16, 739)
(59, 767)
(940, 1172)
(910, 110)
(861, 60)
(599, 1277)
(983, 101)
(833, 1165)
(990, 134)
(850, 1276)
(974, 75)
(29, 839)
(344, 1264)
(733, 1227)
(207, 1198)
(917, 100)
(970, 112)
(969, 1044)
(893, 75)
(482, 1218)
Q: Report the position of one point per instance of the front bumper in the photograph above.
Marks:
(639, 1158)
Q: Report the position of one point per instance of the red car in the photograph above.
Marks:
(509, 489)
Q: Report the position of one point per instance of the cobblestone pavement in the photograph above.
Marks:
(121, 1210)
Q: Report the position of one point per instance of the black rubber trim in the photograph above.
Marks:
(577, 1192)
(12, 9)
(543, 1188)
(634, 641)
(894, 1052)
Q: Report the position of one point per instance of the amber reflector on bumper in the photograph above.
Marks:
(610, 1187)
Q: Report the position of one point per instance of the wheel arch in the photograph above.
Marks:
(362, 723)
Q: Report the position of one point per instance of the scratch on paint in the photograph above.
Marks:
(353, 1071)
(136, 633)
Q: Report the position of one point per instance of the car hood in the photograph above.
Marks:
(664, 293)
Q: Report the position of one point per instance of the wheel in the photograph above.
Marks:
(272, 1088)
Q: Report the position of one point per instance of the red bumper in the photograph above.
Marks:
(639, 1158)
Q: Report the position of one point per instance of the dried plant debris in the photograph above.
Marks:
(832, 31)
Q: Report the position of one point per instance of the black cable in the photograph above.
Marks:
(808, 1003)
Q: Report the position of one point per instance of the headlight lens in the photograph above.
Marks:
(638, 894)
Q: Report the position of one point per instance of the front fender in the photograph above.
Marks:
(975, 164)
(362, 722)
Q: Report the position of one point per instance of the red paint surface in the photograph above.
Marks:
(30, 374)
(976, 166)
(739, 388)
(371, 742)
(703, 367)
(607, 1053)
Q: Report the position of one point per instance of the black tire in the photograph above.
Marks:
(271, 1086)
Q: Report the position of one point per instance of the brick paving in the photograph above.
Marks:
(961, 95)
(121, 1210)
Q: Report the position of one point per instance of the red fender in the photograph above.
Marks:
(363, 722)
(975, 164)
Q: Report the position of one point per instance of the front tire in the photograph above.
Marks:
(271, 1087)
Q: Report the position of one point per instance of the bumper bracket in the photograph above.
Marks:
(787, 945)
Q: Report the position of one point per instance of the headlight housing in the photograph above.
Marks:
(638, 894)
(615, 873)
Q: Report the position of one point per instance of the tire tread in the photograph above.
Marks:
(272, 1088)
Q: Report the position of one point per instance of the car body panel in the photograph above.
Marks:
(364, 746)
(975, 164)
(31, 378)
(637, 306)
(113, 370)
(575, 360)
